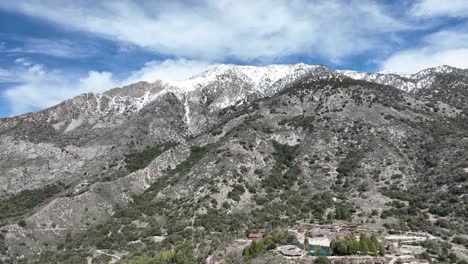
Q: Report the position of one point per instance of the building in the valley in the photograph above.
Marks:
(290, 251)
(255, 236)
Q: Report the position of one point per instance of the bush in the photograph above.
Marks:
(322, 260)
(236, 192)
(22, 223)
(460, 240)
(284, 160)
(26, 200)
(347, 166)
(261, 200)
(139, 160)
(342, 212)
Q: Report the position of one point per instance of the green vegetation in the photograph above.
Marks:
(237, 191)
(302, 121)
(347, 166)
(269, 242)
(284, 173)
(139, 160)
(441, 250)
(428, 176)
(342, 212)
(322, 260)
(70, 257)
(440, 183)
(24, 201)
(306, 244)
(350, 246)
(120, 230)
(3, 247)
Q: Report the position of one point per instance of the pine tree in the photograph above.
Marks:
(306, 245)
(364, 243)
(342, 249)
(333, 249)
(260, 246)
(246, 252)
(374, 245)
(382, 250)
(352, 244)
(253, 248)
(339, 213)
(329, 218)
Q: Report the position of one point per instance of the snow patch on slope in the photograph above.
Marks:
(259, 77)
(259, 81)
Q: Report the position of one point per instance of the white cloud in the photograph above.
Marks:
(23, 61)
(413, 61)
(166, 70)
(37, 88)
(448, 39)
(5, 75)
(429, 8)
(217, 30)
(441, 48)
(96, 82)
(222, 29)
(53, 47)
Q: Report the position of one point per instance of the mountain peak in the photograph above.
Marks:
(442, 69)
(258, 76)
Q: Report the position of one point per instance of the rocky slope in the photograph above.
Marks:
(235, 147)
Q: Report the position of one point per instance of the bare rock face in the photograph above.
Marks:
(92, 205)
(80, 137)
(221, 136)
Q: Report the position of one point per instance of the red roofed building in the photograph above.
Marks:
(256, 236)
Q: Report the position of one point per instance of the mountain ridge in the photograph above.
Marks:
(228, 149)
(270, 74)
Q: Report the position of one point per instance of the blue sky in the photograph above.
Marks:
(51, 50)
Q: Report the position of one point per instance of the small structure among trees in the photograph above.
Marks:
(256, 236)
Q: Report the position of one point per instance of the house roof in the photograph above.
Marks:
(256, 235)
(290, 250)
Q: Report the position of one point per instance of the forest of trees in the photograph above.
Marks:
(349, 245)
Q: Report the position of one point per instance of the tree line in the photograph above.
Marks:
(349, 245)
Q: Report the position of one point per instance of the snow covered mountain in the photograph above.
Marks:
(218, 88)
(75, 164)
(233, 84)
(405, 82)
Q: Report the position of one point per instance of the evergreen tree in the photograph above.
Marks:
(333, 250)
(246, 252)
(342, 249)
(253, 248)
(306, 245)
(329, 218)
(338, 213)
(373, 249)
(364, 243)
(374, 245)
(382, 250)
(352, 244)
